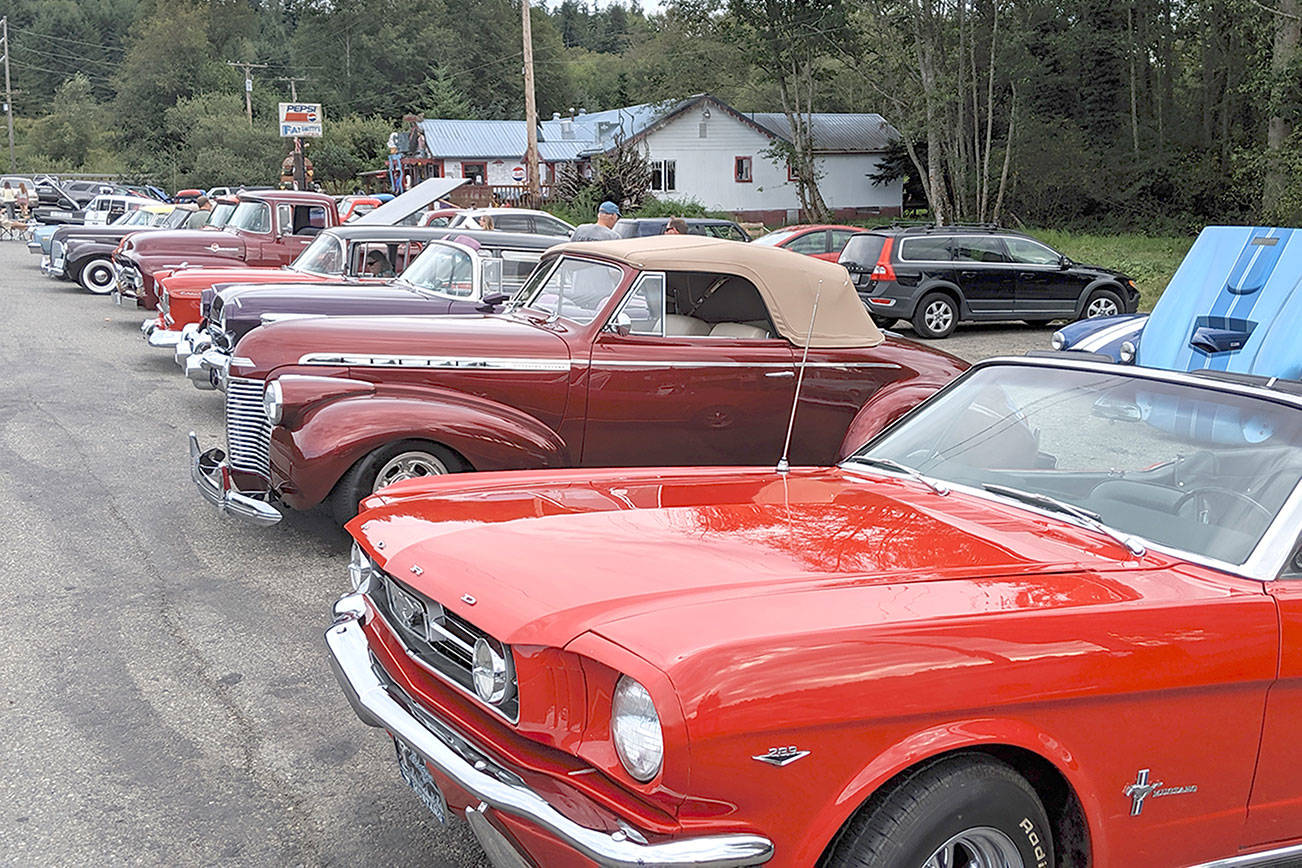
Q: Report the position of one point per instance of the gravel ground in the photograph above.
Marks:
(166, 698)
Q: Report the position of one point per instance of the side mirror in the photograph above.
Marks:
(621, 325)
(491, 301)
(1064, 263)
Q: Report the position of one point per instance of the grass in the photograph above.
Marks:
(1148, 260)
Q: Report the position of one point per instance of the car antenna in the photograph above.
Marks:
(783, 464)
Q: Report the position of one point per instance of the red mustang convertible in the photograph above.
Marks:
(1051, 617)
(652, 351)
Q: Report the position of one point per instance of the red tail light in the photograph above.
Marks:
(882, 270)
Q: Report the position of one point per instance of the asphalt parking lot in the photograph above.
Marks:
(166, 696)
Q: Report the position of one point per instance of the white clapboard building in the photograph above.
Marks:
(698, 148)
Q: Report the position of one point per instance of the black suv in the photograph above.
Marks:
(638, 227)
(937, 276)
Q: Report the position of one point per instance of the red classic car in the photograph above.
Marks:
(1052, 617)
(649, 351)
(363, 253)
(267, 228)
(821, 241)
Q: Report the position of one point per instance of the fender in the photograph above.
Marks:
(947, 738)
(1099, 283)
(308, 460)
(949, 289)
(887, 404)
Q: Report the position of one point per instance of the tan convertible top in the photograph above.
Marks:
(788, 282)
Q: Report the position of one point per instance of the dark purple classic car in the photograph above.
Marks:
(462, 273)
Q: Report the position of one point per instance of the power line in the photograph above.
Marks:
(99, 45)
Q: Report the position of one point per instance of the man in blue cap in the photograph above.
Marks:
(603, 229)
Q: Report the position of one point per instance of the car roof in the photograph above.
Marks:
(949, 229)
(795, 288)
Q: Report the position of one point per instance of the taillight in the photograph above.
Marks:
(883, 270)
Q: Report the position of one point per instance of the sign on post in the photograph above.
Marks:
(300, 119)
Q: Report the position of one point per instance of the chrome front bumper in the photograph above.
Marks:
(496, 788)
(52, 267)
(208, 370)
(192, 342)
(156, 336)
(212, 476)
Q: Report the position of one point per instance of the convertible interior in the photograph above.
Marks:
(704, 305)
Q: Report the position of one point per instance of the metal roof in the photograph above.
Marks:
(566, 139)
(835, 132)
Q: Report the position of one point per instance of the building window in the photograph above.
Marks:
(476, 172)
(664, 176)
(741, 170)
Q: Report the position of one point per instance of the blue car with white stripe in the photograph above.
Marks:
(1232, 305)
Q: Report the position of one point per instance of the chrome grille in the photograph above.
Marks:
(441, 640)
(56, 251)
(248, 433)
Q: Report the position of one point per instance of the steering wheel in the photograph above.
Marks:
(1216, 491)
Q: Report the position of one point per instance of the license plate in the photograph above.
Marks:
(57, 265)
(413, 771)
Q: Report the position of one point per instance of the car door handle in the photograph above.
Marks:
(776, 374)
(1026, 275)
(969, 273)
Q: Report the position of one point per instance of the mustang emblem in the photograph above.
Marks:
(781, 756)
(1142, 788)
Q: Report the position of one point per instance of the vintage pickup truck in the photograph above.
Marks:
(267, 228)
(460, 271)
(650, 351)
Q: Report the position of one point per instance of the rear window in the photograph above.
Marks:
(925, 249)
(863, 250)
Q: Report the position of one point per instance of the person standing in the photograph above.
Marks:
(603, 229)
(9, 196)
(23, 199)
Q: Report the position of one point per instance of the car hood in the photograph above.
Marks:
(178, 242)
(283, 343)
(1099, 271)
(340, 299)
(78, 233)
(637, 554)
(193, 281)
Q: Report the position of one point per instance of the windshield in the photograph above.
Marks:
(576, 289)
(325, 255)
(251, 216)
(1197, 469)
(442, 269)
(135, 218)
(173, 219)
(221, 213)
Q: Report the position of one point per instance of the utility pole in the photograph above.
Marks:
(9, 94)
(530, 112)
(293, 85)
(248, 83)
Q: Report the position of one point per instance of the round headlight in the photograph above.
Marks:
(1058, 342)
(273, 402)
(491, 672)
(635, 728)
(1127, 351)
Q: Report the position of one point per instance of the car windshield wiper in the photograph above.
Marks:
(889, 464)
(1091, 520)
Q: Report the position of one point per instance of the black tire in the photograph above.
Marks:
(96, 275)
(1037, 323)
(935, 316)
(1102, 302)
(968, 795)
(363, 477)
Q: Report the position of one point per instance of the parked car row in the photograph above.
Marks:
(646, 531)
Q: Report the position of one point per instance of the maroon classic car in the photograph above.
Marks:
(268, 228)
(651, 351)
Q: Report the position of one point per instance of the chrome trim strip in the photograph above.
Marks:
(446, 749)
(478, 363)
(1279, 856)
(710, 363)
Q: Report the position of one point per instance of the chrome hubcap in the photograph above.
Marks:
(1101, 307)
(982, 847)
(408, 465)
(99, 278)
(937, 316)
